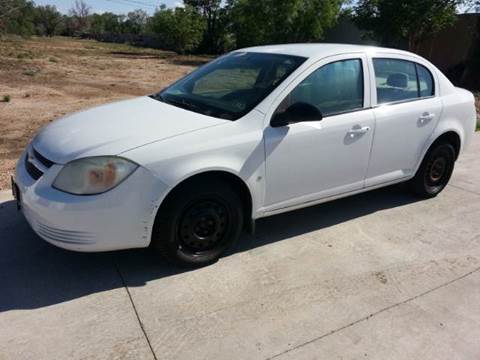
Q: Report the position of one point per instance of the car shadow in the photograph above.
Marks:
(35, 274)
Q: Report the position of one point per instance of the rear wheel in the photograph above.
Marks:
(198, 223)
(435, 171)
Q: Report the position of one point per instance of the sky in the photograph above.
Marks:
(115, 6)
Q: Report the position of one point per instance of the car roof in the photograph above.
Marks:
(317, 50)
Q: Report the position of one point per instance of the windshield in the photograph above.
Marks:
(232, 85)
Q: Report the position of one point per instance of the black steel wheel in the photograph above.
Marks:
(198, 223)
(435, 171)
(203, 226)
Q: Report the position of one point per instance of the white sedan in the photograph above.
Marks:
(256, 132)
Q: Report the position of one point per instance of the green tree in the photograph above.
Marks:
(212, 13)
(113, 23)
(410, 21)
(135, 22)
(47, 20)
(16, 17)
(97, 24)
(276, 21)
(106, 23)
(179, 29)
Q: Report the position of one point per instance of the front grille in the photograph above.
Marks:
(33, 156)
(47, 163)
(32, 170)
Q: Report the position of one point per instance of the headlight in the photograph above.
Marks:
(93, 175)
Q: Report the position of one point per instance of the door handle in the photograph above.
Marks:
(358, 131)
(426, 117)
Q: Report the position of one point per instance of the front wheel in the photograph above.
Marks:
(435, 171)
(198, 223)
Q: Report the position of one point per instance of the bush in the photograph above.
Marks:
(6, 98)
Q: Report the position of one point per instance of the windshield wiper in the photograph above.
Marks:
(184, 104)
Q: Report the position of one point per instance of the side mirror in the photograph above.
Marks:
(295, 113)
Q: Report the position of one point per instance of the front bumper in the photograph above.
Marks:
(121, 218)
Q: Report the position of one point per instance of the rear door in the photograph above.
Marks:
(407, 109)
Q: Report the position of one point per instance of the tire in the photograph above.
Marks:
(435, 171)
(198, 223)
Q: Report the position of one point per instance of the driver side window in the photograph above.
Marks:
(334, 88)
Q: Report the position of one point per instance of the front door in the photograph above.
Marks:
(310, 160)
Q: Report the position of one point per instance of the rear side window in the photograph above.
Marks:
(401, 80)
(425, 81)
(334, 88)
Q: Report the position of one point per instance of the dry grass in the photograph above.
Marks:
(47, 78)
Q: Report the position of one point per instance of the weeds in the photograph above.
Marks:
(6, 98)
(25, 55)
(29, 72)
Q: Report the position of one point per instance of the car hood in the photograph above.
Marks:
(115, 128)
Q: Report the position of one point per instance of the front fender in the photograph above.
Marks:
(236, 148)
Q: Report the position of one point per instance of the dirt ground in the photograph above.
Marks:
(43, 79)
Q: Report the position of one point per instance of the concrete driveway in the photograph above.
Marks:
(376, 276)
